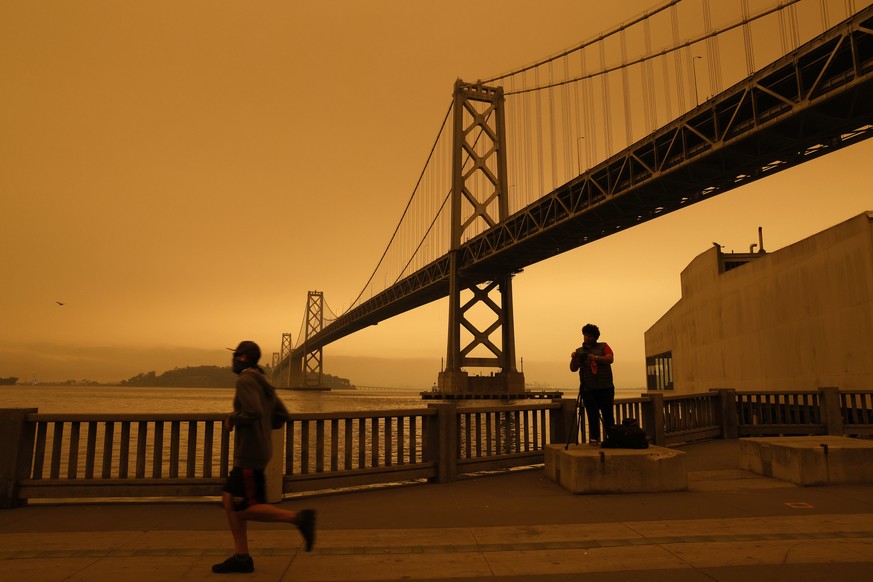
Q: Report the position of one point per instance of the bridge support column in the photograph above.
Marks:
(479, 201)
(312, 372)
(295, 373)
(282, 374)
(275, 363)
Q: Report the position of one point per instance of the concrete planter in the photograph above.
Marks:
(584, 469)
(809, 460)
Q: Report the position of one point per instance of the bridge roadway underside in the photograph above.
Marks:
(814, 101)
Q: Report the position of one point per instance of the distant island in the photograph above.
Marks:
(210, 377)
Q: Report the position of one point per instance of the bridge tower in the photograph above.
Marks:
(312, 359)
(479, 199)
(274, 368)
(286, 378)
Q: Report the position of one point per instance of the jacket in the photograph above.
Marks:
(594, 375)
(255, 404)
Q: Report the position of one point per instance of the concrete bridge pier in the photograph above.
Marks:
(460, 383)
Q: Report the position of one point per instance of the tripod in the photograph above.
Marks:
(577, 421)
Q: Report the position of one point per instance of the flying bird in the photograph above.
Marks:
(58, 302)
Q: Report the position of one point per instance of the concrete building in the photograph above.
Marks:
(798, 318)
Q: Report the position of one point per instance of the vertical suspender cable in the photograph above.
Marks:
(677, 62)
(539, 126)
(511, 147)
(589, 130)
(553, 151)
(567, 123)
(747, 40)
(783, 37)
(446, 173)
(604, 80)
(625, 87)
(518, 115)
(716, 65)
(711, 57)
(668, 93)
(435, 247)
(527, 141)
(646, 74)
(437, 241)
(580, 136)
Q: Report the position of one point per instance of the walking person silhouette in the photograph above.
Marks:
(255, 406)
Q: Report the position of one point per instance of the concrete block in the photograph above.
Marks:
(584, 469)
(809, 460)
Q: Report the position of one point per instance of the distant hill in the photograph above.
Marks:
(208, 377)
(192, 376)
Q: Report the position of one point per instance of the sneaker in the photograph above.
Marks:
(235, 564)
(306, 525)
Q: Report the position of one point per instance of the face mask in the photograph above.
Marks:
(239, 366)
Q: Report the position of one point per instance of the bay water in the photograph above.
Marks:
(125, 399)
(133, 400)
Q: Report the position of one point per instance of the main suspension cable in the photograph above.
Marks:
(606, 70)
(595, 40)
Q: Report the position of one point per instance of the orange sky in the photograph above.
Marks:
(180, 174)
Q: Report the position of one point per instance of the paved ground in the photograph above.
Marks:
(729, 526)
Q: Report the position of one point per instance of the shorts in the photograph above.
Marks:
(246, 487)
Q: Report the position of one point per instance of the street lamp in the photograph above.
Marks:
(694, 78)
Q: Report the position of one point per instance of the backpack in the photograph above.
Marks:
(279, 414)
(627, 435)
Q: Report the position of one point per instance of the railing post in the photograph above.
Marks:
(16, 454)
(561, 420)
(443, 441)
(653, 418)
(831, 410)
(727, 412)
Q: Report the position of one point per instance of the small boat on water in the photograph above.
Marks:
(8, 381)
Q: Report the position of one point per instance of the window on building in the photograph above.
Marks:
(659, 372)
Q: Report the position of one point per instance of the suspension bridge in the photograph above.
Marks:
(684, 102)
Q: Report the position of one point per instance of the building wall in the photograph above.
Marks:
(795, 319)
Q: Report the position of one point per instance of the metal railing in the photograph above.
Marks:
(125, 455)
(343, 449)
(856, 412)
(177, 455)
(780, 413)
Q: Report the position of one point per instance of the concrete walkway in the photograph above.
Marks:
(730, 526)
